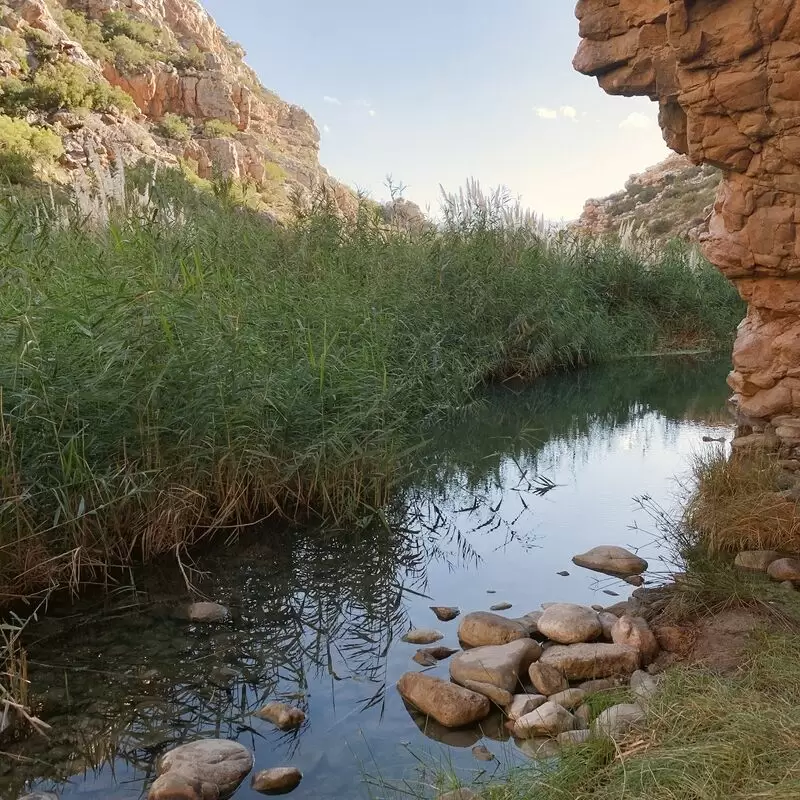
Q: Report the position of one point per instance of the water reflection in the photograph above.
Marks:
(504, 497)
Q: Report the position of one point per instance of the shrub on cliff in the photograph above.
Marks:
(219, 129)
(88, 33)
(176, 127)
(121, 23)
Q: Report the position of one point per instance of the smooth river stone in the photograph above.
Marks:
(450, 705)
(422, 636)
(484, 628)
(756, 560)
(282, 715)
(784, 569)
(500, 697)
(278, 780)
(546, 679)
(635, 632)
(445, 613)
(567, 623)
(611, 560)
(500, 665)
(580, 662)
(208, 765)
(549, 719)
(207, 613)
(523, 704)
(618, 721)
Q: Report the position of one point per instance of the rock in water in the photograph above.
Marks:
(635, 632)
(450, 705)
(784, 569)
(482, 753)
(198, 769)
(567, 623)
(499, 697)
(523, 704)
(756, 560)
(483, 628)
(282, 715)
(424, 659)
(208, 613)
(530, 622)
(546, 679)
(618, 721)
(549, 719)
(500, 665)
(445, 613)
(611, 560)
(278, 780)
(581, 662)
(422, 636)
(500, 607)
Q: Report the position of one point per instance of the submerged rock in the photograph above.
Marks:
(598, 660)
(611, 560)
(500, 665)
(278, 780)
(282, 715)
(484, 628)
(500, 607)
(208, 613)
(450, 705)
(422, 636)
(445, 613)
(482, 753)
(567, 623)
(199, 769)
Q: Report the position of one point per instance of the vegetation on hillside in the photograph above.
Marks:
(191, 367)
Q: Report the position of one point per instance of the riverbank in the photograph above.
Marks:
(723, 720)
(189, 368)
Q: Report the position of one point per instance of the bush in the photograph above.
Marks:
(119, 23)
(22, 147)
(174, 127)
(130, 55)
(193, 58)
(88, 33)
(71, 86)
(219, 129)
(273, 172)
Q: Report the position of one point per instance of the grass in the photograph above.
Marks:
(191, 368)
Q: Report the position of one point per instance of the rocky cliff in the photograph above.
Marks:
(671, 199)
(727, 78)
(155, 79)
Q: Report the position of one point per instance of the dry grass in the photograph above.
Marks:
(738, 506)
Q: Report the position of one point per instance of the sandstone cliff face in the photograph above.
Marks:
(727, 79)
(196, 73)
(673, 198)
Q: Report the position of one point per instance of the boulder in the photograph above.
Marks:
(607, 621)
(611, 560)
(207, 613)
(578, 736)
(501, 665)
(522, 704)
(567, 623)
(618, 721)
(756, 560)
(482, 628)
(635, 632)
(583, 716)
(500, 697)
(282, 715)
(569, 698)
(450, 705)
(205, 766)
(643, 686)
(601, 685)
(422, 636)
(581, 662)
(549, 719)
(547, 679)
(530, 622)
(278, 780)
(784, 569)
(445, 613)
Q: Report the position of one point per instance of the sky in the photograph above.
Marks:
(433, 92)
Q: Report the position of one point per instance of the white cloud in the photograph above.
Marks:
(565, 112)
(547, 113)
(637, 121)
(372, 112)
(568, 112)
(326, 129)
(334, 101)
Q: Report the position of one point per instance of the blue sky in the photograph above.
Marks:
(436, 91)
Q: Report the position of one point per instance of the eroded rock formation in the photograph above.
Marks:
(726, 76)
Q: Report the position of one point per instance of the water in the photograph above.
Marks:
(530, 478)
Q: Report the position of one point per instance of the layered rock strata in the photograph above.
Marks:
(726, 76)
